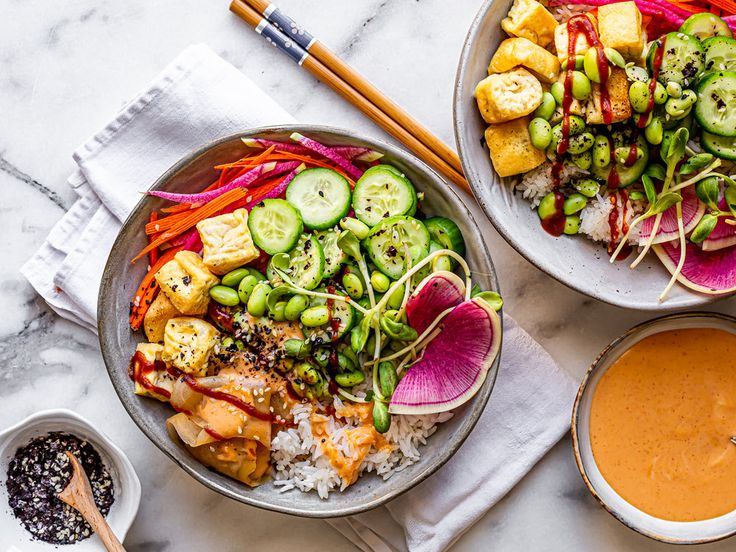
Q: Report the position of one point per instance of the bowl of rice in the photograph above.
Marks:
(581, 263)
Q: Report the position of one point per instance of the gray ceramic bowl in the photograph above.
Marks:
(118, 343)
(674, 532)
(578, 263)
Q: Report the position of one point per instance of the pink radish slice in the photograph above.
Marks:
(709, 272)
(723, 235)
(325, 151)
(692, 211)
(289, 147)
(350, 153)
(279, 189)
(454, 365)
(437, 292)
(354, 153)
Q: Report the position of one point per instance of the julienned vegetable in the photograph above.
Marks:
(621, 161)
(349, 326)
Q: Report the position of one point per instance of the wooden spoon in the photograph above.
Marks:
(78, 495)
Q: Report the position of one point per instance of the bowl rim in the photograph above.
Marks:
(694, 299)
(480, 400)
(130, 492)
(609, 350)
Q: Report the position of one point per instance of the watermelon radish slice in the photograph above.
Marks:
(692, 212)
(709, 272)
(454, 364)
(723, 235)
(436, 293)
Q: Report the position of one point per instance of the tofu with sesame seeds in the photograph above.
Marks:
(530, 19)
(619, 27)
(157, 315)
(156, 384)
(618, 95)
(511, 148)
(505, 96)
(582, 44)
(188, 344)
(227, 241)
(513, 52)
(186, 281)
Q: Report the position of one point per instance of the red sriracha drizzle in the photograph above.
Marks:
(555, 224)
(613, 224)
(656, 65)
(140, 367)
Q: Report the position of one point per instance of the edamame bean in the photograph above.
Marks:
(639, 96)
(315, 316)
(636, 73)
(580, 85)
(295, 306)
(297, 348)
(654, 131)
(583, 160)
(540, 133)
(396, 299)
(601, 151)
(381, 417)
(387, 378)
(307, 373)
(548, 206)
(353, 285)
(228, 344)
(572, 225)
(225, 295)
(674, 89)
(443, 262)
(322, 356)
(245, 287)
(558, 92)
(614, 57)
(636, 195)
(547, 108)
(677, 108)
(587, 186)
(345, 363)
(349, 379)
(357, 227)
(233, 278)
(574, 203)
(577, 65)
(256, 304)
(277, 314)
(580, 143)
(257, 274)
(623, 154)
(576, 126)
(380, 281)
(590, 64)
(660, 94)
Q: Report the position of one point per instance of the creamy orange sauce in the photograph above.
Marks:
(661, 421)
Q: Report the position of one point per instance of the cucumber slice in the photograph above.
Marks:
(705, 25)
(683, 58)
(275, 226)
(720, 54)
(720, 146)
(626, 175)
(334, 256)
(306, 262)
(383, 192)
(715, 109)
(388, 242)
(342, 312)
(321, 195)
(445, 232)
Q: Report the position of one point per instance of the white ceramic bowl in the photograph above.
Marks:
(125, 480)
(674, 532)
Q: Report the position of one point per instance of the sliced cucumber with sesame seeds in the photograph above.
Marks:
(683, 58)
(445, 232)
(705, 25)
(334, 256)
(720, 54)
(322, 196)
(275, 226)
(715, 109)
(306, 262)
(383, 192)
(720, 146)
(393, 240)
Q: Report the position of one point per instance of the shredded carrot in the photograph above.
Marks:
(193, 217)
(727, 6)
(166, 223)
(154, 253)
(147, 291)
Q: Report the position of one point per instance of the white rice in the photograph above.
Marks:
(299, 463)
(537, 183)
(594, 219)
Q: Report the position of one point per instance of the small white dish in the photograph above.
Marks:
(13, 536)
(673, 532)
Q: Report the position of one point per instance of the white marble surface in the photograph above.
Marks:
(65, 67)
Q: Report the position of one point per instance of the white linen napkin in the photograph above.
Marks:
(196, 99)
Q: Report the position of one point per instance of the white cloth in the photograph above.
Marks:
(198, 98)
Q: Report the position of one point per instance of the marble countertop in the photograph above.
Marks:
(66, 67)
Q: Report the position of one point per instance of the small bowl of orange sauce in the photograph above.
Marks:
(654, 428)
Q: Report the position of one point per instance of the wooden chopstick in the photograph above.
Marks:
(353, 95)
(356, 80)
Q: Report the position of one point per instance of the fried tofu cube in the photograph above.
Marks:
(511, 147)
(521, 51)
(157, 383)
(562, 40)
(530, 19)
(618, 94)
(505, 96)
(227, 241)
(188, 344)
(186, 281)
(619, 27)
(157, 315)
